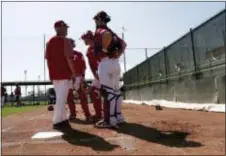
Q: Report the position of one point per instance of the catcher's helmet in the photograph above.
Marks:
(103, 16)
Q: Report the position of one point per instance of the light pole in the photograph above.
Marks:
(44, 42)
(146, 53)
(38, 85)
(25, 80)
(123, 29)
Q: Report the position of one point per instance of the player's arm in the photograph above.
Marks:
(121, 51)
(94, 72)
(68, 53)
(83, 63)
(106, 40)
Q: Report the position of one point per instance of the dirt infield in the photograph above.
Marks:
(147, 131)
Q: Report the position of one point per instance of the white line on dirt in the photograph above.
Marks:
(6, 129)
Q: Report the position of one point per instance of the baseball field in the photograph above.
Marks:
(147, 131)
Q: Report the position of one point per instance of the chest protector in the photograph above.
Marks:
(114, 46)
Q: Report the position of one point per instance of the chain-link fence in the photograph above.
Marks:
(199, 49)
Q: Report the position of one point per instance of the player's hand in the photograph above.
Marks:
(82, 87)
(77, 82)
(73, 77)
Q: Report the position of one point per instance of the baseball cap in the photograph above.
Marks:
(87, 35)
(60, 23)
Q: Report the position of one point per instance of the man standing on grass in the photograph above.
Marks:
(3, 91)
(17, 93)
(61, 71)
(52, 99)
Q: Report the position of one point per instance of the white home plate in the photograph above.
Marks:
(46, 135)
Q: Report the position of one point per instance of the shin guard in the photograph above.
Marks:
(118, 105)
(109, 105)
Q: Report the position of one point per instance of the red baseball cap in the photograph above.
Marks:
(60, 23)
(87, 35)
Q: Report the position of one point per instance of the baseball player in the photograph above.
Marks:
(80, 67)
(17, 92)
(61, 71)
(95, 86)
(52, 99)
(3, 91)
(109, 47)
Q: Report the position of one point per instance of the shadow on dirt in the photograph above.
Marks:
(170, 138)
(79, 121)
(80, 138)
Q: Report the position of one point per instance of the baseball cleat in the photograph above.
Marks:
(96, 118)
(62, 125)
(103, 124)
(72, 117)
(89, 119)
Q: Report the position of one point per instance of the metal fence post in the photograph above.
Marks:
(149, 70)
(193, 52)
(146, 53)
(138, 83)
(166, 64)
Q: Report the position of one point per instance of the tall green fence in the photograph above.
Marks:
(200, 48)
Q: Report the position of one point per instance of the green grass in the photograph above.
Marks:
(6, 111)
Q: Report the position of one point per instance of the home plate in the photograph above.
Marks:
(46, 135)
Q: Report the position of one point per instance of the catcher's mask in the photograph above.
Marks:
(102, 16)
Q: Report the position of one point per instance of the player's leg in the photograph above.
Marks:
(61, 88)
(84, 103)
(96, 100)
(107, 91)
(119, 98)
(17, 100)
(71, 104)
(3, 99)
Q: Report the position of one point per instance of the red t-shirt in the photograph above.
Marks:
(58, 49)
(79, 63)
(93, 60)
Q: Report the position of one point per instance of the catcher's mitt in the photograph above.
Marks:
(158, 107)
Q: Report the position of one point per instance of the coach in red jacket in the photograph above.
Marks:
(61, 71)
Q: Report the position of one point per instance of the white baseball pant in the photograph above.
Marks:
(61, 88)
(109, 74)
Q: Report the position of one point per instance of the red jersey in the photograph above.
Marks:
(80, 64)
(17, 91)
(57, 51)
(93, 60)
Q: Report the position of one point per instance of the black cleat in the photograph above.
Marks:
(62, 125)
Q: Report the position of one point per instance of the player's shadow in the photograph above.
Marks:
(80, 138)
(79, 121)
(170, 138)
